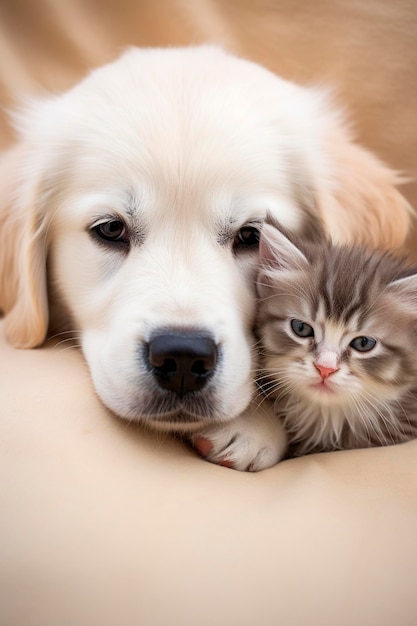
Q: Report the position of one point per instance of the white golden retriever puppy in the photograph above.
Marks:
(131, 208)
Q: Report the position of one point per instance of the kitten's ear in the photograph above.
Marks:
(277, 252)
(405, 291)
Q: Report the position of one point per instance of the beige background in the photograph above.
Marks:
(104, 524)
(366, 51)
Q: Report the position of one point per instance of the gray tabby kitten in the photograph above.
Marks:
(338, 326)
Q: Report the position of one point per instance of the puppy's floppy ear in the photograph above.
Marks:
(359, 201)
(23, 290)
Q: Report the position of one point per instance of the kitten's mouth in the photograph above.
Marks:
(324, 386)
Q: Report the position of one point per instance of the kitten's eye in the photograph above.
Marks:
(112, 231)
(363, 344)
(302, 329)
(247, 237)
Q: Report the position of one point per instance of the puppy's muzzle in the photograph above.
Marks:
(182, 362)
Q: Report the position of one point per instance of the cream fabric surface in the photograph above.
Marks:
(104, 524)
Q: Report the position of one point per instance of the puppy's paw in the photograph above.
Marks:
(252, 442)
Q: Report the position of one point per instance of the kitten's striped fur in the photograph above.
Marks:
(329, 394)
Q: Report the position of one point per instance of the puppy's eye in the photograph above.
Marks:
(247, 237)
(112, 231)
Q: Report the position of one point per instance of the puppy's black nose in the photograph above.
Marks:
(182, 362)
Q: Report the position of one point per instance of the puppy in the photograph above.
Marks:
(130, 215)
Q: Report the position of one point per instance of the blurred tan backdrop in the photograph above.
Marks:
(367, 51)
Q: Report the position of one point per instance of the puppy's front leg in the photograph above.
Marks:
(253, 441)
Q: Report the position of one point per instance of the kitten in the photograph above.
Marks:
(338, 327)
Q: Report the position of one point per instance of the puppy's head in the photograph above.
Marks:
(132, 210)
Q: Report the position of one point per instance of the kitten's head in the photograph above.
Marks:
(338, 323)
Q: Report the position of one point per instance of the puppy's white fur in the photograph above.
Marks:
(186, 146)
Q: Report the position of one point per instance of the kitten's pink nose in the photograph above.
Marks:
(325, 371)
